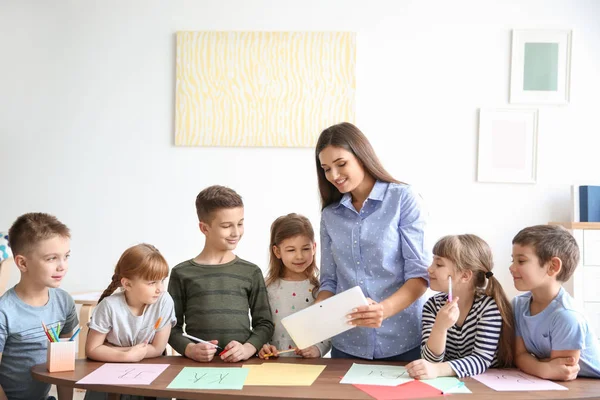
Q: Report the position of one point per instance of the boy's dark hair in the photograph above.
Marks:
(30, 229)
(550, 241)
(214, 198)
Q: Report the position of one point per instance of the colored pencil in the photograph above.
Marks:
(46, 332)
(49, 333)
(75, 334)
(53, 331)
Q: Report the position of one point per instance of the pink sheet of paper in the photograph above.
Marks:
(515, 380)
(124, 374)
(410, 390)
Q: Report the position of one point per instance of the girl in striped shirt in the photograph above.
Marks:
(468, 326)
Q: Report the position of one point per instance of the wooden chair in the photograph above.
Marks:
(6, 262)
(5, 267)
(87, 301)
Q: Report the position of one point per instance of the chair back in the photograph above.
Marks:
(6, 262)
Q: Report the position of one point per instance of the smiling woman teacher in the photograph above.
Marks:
(371, 236)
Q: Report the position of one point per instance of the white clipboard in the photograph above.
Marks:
(323, 320)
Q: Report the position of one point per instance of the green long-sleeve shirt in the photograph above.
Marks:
(213, 302)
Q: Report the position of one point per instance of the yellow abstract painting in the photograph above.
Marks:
(278, 89)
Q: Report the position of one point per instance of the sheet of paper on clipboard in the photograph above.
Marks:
(324, 320)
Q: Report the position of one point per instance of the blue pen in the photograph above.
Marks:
(75, 334)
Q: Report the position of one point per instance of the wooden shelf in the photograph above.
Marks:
(577, 225)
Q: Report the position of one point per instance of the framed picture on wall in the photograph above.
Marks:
(507, 145)
(262, 88)
(540, 66)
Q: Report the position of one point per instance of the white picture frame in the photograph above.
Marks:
(507, 148)
(540, 70)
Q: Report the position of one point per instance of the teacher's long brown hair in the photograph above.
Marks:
(350, 138)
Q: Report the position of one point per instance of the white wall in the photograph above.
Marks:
(87, 118)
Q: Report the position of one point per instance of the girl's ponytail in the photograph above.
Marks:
(470, 252)
(140, 261)
(114, 284)
(507, 333)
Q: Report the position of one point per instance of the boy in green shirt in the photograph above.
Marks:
(214, 291)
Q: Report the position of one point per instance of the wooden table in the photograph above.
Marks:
(327, 386)
(88, 301)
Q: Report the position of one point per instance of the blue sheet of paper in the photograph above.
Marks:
(383, 375)
(210, 378)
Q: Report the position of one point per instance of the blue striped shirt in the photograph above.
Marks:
(471, 348)
(378, 249)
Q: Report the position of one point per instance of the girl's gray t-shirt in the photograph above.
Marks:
(113, 317)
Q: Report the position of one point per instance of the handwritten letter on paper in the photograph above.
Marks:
(515, 380)
(210, 378)
(384, 375)
(124, 374)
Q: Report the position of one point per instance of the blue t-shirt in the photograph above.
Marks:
(558, 327)
(23, 342)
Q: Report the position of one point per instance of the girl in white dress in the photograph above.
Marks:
(292, 282)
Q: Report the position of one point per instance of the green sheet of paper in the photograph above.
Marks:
(447, 385)
(458, 389)
(210, 378)
(383, 375)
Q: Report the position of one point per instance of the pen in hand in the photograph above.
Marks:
(279, 352)
(201, 341)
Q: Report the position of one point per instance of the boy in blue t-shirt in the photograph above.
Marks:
(553, 339)
(41, 247)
